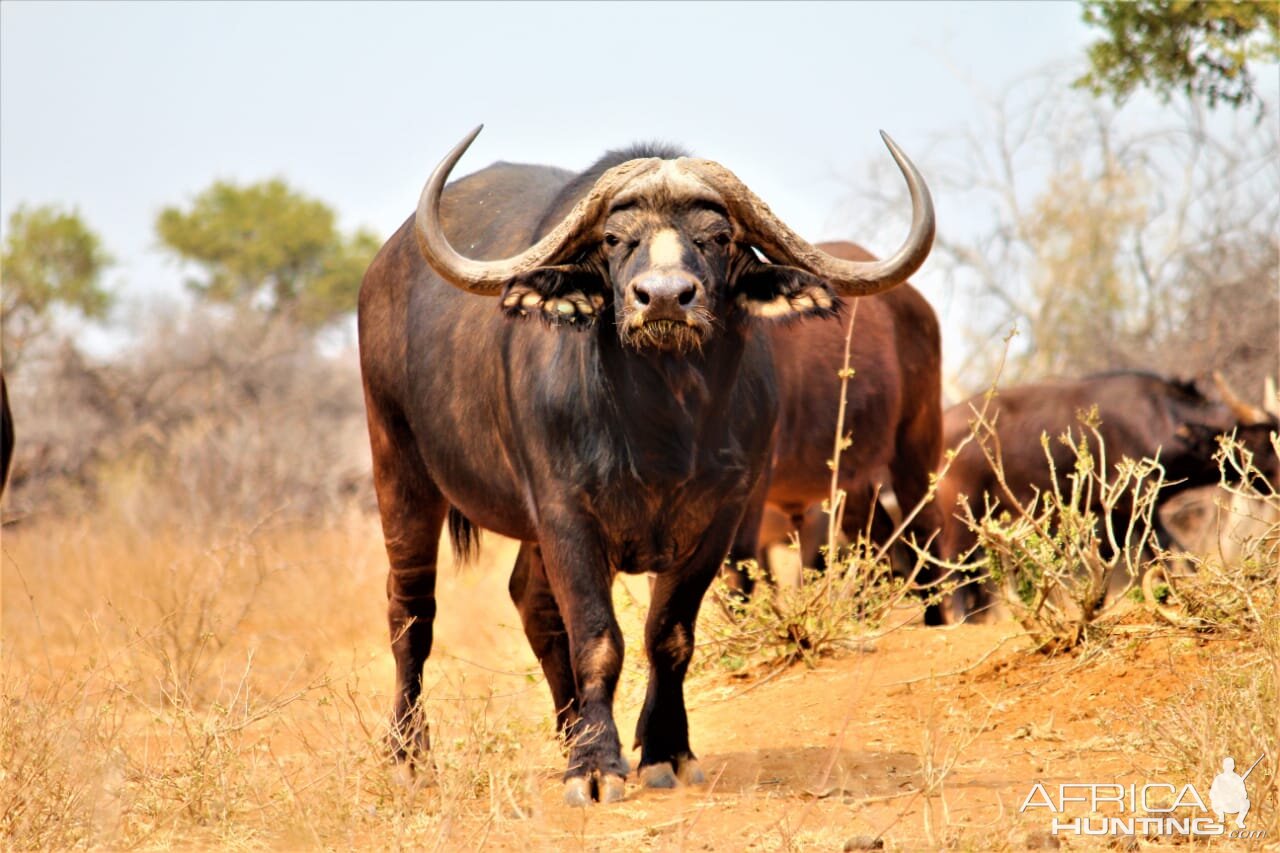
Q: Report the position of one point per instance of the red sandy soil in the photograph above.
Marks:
(813, 758)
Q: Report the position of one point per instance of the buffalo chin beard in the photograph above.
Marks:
(674, 336)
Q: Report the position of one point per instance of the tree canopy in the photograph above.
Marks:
(1202, 48)
(269, 246)
(51, 259)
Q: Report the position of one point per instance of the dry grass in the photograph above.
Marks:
(228, 686)
(162, 692)
(1232, 710)
(1232, 594)
(158, 692)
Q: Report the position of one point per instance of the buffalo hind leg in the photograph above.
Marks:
(746, 547)
(813, 526)
(912, 468)
(973, 599)
(920, 562)
(413, 511)
(544, 627)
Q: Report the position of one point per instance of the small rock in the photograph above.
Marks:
(864, 842)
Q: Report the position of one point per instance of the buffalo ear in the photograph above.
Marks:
(568, 295)
(774, 291)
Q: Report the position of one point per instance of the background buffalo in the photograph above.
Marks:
(1139, 415)
(893, 413)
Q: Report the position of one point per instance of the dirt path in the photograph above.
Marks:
(931, 737)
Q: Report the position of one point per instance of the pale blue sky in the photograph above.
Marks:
(119, 109)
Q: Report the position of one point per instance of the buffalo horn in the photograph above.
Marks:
(1246, 414)
(782, 245)
(487, 278)
(761, 228)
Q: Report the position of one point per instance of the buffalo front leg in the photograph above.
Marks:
(662, 732)
(580, 580)
(544, 628)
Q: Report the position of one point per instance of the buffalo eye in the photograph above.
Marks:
(722, 239)
(612, 239)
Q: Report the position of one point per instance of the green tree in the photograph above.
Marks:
(267, 245)
(51, 259)
(1201, 47)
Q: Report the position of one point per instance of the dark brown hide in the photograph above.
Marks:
(624, 429)
(893, 411)
(1141, 415)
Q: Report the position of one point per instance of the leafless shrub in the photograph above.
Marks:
(1230, 589)
(1053, 557)
(1112, 238)
(214, 416)
(55, 775)
(826, 613)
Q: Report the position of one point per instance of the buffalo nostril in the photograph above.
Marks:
(664, 292)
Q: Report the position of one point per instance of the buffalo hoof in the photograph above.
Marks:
(667, 774)
(661, 775)
(580, 791)
(577, 792)
(613, 789)
(691, 773)
(413, 776)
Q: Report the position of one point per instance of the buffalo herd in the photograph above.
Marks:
(623, 368)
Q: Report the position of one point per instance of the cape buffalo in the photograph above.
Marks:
(893, 413)
(1142, 415)
(591, 379)
(1215, 521)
